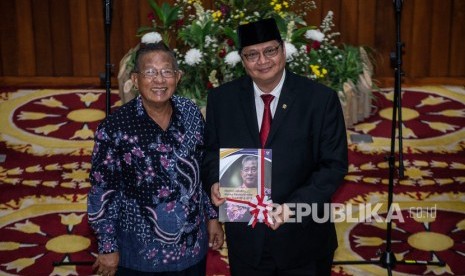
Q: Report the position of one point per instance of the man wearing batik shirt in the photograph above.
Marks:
(146, 204)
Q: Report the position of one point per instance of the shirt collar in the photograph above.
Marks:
(275, 92)
(176, 117)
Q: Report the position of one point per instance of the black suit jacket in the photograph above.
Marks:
(309, 147)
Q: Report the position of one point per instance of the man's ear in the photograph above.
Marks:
(135, 80)
(179, 75)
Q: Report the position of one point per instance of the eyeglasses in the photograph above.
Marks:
(248, 170)
(254, 55)
(153, 73)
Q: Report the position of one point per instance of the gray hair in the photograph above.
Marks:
(146, 48)
(249, 158)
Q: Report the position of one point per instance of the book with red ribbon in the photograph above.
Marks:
(245, 182)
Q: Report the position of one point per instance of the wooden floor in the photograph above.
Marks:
(96, 82)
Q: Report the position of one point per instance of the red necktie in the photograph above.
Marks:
(266, 120)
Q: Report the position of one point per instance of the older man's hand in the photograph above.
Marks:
(215, 234)
(215, 195)
(106, 264)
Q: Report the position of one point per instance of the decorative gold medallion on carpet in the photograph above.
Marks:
(431, 117)
(432, 230)
(47, 122)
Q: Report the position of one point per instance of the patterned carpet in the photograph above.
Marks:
(431, 195)
(46, 136)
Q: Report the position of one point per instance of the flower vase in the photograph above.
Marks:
(364, 85)
(351, 102)
(360, 104)
(345, 108)
(351, 91)
(127, 90)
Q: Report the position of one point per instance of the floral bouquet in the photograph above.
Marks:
(206, 43)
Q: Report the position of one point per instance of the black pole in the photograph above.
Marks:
(387, 258)
(398, 84)
(107, 9)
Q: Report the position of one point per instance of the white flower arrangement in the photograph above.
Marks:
(193, 57)
(152, 37)
(206, 42)
(232, 58)
(291, 51)
(315, 35)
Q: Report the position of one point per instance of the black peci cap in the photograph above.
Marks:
(258, 32)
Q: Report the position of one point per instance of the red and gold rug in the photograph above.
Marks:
(430, 197)
(47, 136)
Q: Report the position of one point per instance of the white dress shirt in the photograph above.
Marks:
(260, 106)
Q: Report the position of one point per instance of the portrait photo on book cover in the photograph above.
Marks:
(244, 174)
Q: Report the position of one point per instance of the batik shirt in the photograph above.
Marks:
(146, 201)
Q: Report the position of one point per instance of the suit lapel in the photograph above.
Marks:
(247, 103)
(287, 97)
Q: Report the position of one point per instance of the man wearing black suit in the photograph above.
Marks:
(309, 147)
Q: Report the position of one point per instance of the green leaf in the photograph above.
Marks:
(231, 33)
(156, 8)
(170, 14)
(298, 35)
(167, 14)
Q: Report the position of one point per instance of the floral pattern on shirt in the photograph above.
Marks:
(146, 199)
